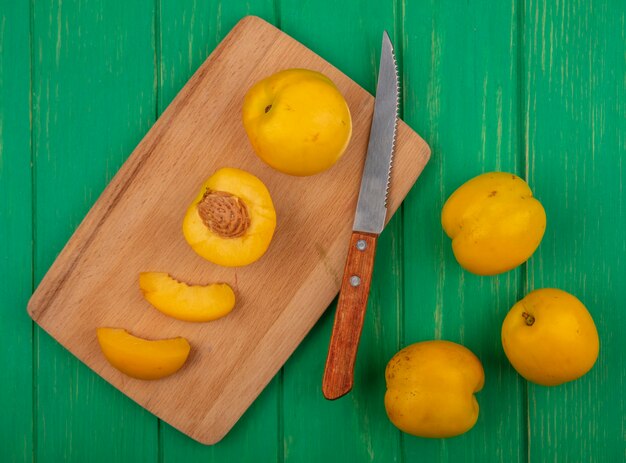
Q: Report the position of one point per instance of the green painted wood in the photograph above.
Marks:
(575, 109)
(188, 32)
(16, 434)
(355, 427)
(537, 88)
(93, 100)
(461, 76)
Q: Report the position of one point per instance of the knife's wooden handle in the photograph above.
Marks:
(344, 342)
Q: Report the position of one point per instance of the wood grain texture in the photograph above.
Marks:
(132, 227)
(93, 100)
(16, 374)
(488, 84)
(575, 107)
(461, 63)
(188, 31)
(355, 428)
(349, 317)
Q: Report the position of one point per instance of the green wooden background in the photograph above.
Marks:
(535, 87)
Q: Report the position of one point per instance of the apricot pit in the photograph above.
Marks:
(231, 221)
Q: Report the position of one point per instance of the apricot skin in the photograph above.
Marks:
(550, 338)
(297, 121)
(494, 222)
(430, 389)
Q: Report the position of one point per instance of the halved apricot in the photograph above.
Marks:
(192, 303)
(141, 358)
(232, 220)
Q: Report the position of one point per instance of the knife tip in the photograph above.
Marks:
(387, 40)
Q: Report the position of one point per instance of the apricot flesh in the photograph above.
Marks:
(232, 220)
(141, 358)
(193, 303)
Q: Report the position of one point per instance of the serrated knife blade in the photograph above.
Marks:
(369, 222)
(371, 209)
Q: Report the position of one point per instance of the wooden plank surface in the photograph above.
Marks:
(575, 106)
(93, 99)
(569, 83)
(16, 281)
(133, 228)
(354, 428)
(188, 31)
(461, 62)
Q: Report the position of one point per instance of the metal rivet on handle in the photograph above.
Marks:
(355, 280)
(361, 245)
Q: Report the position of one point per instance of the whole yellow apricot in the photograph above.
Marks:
(192, 303)
(297, 121)
(232, 220)
(141, 358)
(550, 338)
(430, 389)
(495, 223)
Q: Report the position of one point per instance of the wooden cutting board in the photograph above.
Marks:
(135, 226)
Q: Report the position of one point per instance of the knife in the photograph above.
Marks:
(369, 221)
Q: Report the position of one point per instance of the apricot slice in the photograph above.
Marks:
(232, 220)
(192, 303)
(141, 358)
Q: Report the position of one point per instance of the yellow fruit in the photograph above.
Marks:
(232, 220)
(192, 303)
(550, 338)
(297, 121)
(140, 358)
(494, 222)
(430, 389)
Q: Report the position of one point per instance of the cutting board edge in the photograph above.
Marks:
(34, 307)
(46, 291)
(131, 166)
(126, 394)
(203, 434)
(199, 433)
